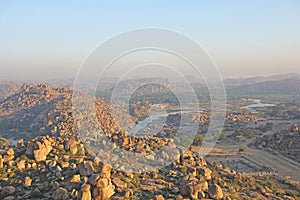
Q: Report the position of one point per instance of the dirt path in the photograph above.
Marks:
(284, 166)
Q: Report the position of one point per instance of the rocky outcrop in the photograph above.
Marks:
(40, 148)
(43, 149)
(99, 186)
(286, 143)
(193, 189)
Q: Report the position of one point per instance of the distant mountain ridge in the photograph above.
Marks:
(287, 84)
(258, 79)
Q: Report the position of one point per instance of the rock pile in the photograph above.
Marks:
(99, 186)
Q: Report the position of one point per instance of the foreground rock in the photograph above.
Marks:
(215, 192)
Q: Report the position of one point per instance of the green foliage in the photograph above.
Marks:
(199, 138)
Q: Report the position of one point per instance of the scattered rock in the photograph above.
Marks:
(27, 181)
(21, 165)
(75, 178)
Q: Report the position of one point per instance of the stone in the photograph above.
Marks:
(27, 181)
(128, 193)
(64, 164)
(10, 155)
(21, 165)
(42, 150)
(70, 145)
(105, 171)
(93, 179)
(193, 189)
(10, 152)
(203, 186)
(159, 197)
(215, 192)
(8, 190)
(256, 195)
(61, 194)
(119, 184)
(1, 161)
(86, 192)
(97, 161)
(86, 168)
(104, 189)
(75, 178)
(206, 172)
(9, 198)
(20, 143)
(295, 128)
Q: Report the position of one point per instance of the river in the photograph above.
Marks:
(256, 104)
(143, 124)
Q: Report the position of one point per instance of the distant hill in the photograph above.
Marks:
(259, 79)
(279, 84)
(8, 88)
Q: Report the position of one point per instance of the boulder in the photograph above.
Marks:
(61, 194)
(20, 143)
(21, 165)
(86, 192)
(75, 178)
(193, 189)
(10, 152)
(215, 192)
(10, 155)
(121, 185)
(70, 145)
(206, 172)
(104, 188)
(27, 181)
(159, 197)
(86, 168)
(1, 161)
(105, 171)
(8, 190)
(42, 149)
(93, 179)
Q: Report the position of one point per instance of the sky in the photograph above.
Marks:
(50, 39)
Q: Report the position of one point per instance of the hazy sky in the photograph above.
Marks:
(50, 39)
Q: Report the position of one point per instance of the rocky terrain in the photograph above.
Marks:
(50, 161)
(60, 168)
(286, 142)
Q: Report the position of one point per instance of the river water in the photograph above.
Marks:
(256, 104)
(143, 124)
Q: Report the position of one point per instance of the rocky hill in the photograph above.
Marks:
(286, 142)
(50, 161)
(8, 88)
